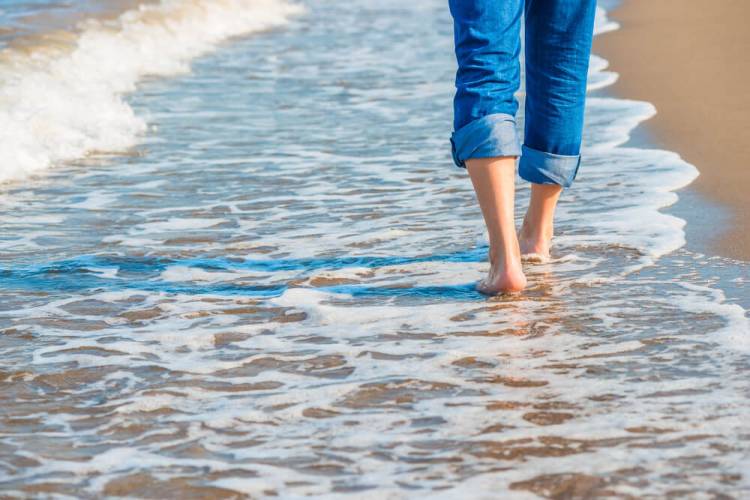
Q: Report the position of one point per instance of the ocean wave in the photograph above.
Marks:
(63, 101)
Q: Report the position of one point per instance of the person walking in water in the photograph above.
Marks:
(557, 45)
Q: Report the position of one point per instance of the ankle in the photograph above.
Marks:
(505, 257)
(537, 231)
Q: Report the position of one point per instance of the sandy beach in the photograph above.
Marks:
(689, 58)
(237, 261)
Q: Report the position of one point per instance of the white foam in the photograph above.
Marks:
(597, 76)
(736, 331)
(60, 104)
(602, 23)
(191, 274)
(625, 339)
(178, 224)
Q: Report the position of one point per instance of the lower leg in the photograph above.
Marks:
(537, 228)
(494, 182)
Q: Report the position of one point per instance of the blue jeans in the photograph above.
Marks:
(557, 46)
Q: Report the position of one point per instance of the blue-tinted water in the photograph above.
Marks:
(270, 291)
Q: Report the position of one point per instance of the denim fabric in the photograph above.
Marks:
(484, 137)
(557, 45)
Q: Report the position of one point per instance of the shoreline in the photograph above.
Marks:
(687, 57)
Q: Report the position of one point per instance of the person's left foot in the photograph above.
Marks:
(535, 244)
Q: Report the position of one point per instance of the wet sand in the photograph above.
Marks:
(272, 296)
(689, 58)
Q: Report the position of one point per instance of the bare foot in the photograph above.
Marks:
(535, 236)
(493, 180)
(505, 276)
(535, 243)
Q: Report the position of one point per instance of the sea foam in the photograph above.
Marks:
(300, 320)
(62, 102)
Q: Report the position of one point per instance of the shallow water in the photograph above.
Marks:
(272, 294)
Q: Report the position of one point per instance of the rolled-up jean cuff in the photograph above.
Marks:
(486, 137)
(547, 168)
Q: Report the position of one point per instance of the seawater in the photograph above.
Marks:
(236, 259)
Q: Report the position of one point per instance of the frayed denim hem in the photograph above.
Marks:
(486, 137)
(547, 168)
